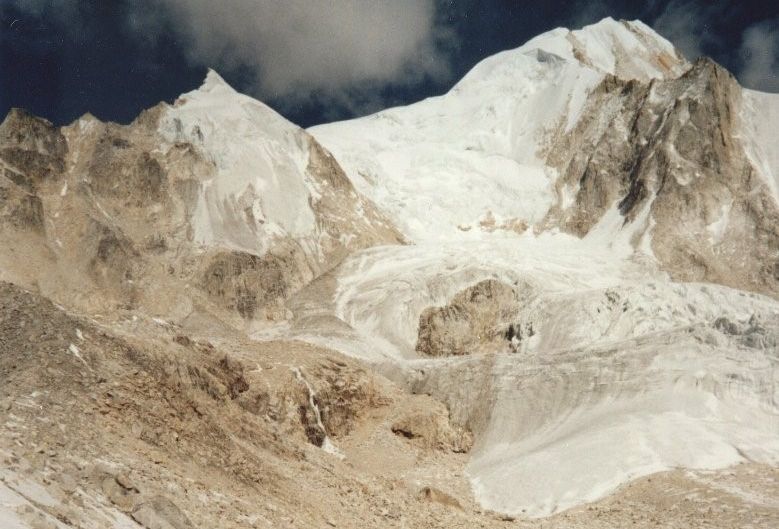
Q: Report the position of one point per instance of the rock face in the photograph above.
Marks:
(32, 146)
(432, 429)
(32, 152)
(669, 154)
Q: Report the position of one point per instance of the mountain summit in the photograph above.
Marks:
(626, 49)
(493, 131)
(556, 284)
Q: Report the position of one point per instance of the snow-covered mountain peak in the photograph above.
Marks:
(484, 140)
(215, 102)
(214, 82)
(511, 146)
(260, 160)
(626, 49)
(258, 184)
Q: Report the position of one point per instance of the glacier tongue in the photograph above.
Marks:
(567, 431)
(625, 373)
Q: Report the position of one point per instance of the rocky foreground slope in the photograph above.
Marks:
(547, 298)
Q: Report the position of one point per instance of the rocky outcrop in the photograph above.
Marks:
(32, 151)
(432, 429)
(477, 319)
(20, 208)
(435, 495)
(344, 395)
(161, 513)
(31, 148)
(121, 170)
(115, 261)
(247, 283)
(335, 206)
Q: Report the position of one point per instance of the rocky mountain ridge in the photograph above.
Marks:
(118, 216)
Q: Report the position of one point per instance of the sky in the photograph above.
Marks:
(317, 61)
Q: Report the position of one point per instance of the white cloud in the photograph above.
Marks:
(338, 52)
(760, 55)
(305, 48)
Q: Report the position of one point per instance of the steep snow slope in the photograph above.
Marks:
(565, 429)
(476, 153)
